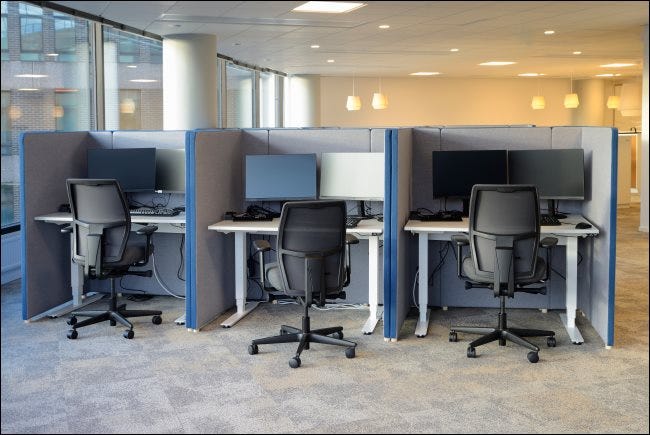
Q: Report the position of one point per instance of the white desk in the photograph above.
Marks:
(165, 224)
(369, 229)
(566, 234)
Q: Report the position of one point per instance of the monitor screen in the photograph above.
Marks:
(558, 174)
(455, 172)
(170, 170)
(133, 168)
(280, 177)
(353, 176)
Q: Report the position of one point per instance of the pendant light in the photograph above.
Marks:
(613, 102)
(379, 100)
(354, 101)
(538, 102)
(571, 100)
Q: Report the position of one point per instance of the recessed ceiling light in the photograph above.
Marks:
(577, 52)
(143, 81)
(328, 7)
(31, 76)
(497, 63)
(607, 75)
(425, 73)
(330, 60)
(617, 65)
(530, 74)
(549, 32)
(315, 46)
(454, 49)
(384, 26)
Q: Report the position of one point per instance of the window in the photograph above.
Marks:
(31, 32)
(239, 96)
(64, 37)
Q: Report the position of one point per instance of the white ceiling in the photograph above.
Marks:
(269, 35)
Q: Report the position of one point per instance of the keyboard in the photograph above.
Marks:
(442, 216)
(547, 220)
(146, 211)
(352, 221)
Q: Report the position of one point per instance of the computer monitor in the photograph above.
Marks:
(557, 173)
(133, 168)
(280, 177)
(170, 170)
(352, 176)
(455, 172)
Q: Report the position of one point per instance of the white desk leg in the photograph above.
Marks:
(569, 319)
(373, 286)
(423, 285)
(241, 282)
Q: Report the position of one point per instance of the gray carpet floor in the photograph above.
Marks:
(170, 380)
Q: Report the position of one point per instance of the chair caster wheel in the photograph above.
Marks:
(453, 337)
(156, 320)
(533, 357)
(294, 362)
(128, 334)
(252, 349)
(72, 321)
(113, 323)
(350, 352)
(338, 335)
(550, 341)
(72, 334)
(471, 352)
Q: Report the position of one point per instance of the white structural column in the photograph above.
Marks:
(302, 101)
(189, 81)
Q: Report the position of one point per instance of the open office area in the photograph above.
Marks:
(196, 249)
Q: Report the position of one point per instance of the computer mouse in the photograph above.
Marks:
(582, 226)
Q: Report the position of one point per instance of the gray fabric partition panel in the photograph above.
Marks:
(253, 142)
(495, 138)
(217, 188)
(46, 161)
(283, 141)
(377, 140)
(425, 141)
(147, 139)
(596, 296)
(566, 137)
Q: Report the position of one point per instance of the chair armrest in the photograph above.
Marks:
(350, 239)
(548, 242)
(460, 239)
(261, 246)
(66, 229)
(148, 230)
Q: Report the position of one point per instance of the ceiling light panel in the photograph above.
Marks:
(328, 7)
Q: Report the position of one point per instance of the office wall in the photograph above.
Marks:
(445, 101)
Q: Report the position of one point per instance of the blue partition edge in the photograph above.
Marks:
(388, 294)
(190, 231)
(23, 233)
(612, 240)
(390, 238)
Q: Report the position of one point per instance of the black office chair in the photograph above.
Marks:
(101, 231)
(504, 240)
(311, 266)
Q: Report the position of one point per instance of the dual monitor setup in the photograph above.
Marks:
(292, 177)
(557, 173)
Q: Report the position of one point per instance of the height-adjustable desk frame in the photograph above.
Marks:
(369, 229)
(166, 224)
(566, 234)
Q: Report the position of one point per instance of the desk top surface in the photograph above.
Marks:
(365, 227)
(62, 218)
(568, 227)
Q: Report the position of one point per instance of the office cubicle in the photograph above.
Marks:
(597, 267)
(214, 185)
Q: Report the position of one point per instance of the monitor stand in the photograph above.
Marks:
(552, 210)
(362, 207)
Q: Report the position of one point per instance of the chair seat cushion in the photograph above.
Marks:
(470, 272)
(272, 274)
(133, 253)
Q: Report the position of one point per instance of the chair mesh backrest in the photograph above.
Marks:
(504, 210)
(312, 227)
(97, 203)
